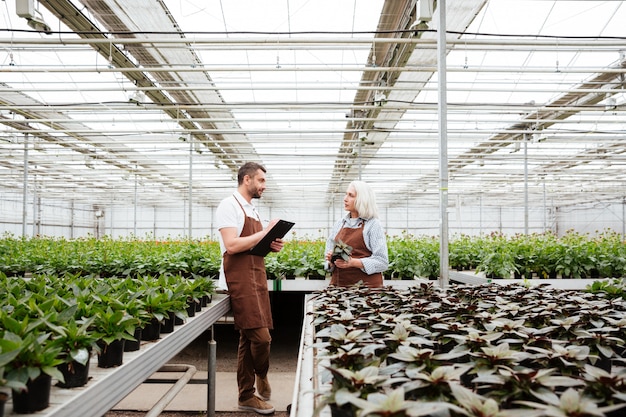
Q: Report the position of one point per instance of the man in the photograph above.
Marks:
(243, 275)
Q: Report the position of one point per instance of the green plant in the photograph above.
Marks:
(497, 260)
(541, 255)
(76, 338)
(36, 355)
(163, 297)
(288, 261)
(461, 252)
(312, 260)
(613, 288)
(8, 352)
(402, 255)
(111, 325)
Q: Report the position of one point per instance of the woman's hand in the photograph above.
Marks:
(341, 264)
(350, 263)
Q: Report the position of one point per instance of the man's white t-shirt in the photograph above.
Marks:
(229, 214)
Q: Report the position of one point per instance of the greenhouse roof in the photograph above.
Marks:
(160, 100)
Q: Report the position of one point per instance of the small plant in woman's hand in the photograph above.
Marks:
(341, 250)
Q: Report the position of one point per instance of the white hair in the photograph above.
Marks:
(365, 202)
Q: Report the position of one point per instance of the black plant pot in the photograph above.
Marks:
(204, 300)
(603, 363)
(152, 330)
(111, 355)
(168, 324)
(35, 398)
(197, 305)
(134, 345)
(178, 321)
(191, 309)
(74, 373)
(317, 277)
(341, 411)
(615, 413)
(3, 399)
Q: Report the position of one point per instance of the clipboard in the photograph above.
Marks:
(279, 230)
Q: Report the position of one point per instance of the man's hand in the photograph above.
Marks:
(277, 245)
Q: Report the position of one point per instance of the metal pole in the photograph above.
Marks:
(480, 216)
(443, 145)
(190, 185)
(525, 138)
(623, 217)
(189, 371)
(35, 232)
(135, 210)
(360, 161)
(210, 404)
(25, 187)
(545, 207)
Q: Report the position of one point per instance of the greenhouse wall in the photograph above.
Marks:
(45, 218)
(593, 218)
(73, 220)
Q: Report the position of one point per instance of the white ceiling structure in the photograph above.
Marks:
(167, 98)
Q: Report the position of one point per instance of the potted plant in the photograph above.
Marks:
(77, 339)
(159, 302)
(129, 298)
(6, 384)
(112, 328)
(341, 250)
(475, 350)
(31, 370)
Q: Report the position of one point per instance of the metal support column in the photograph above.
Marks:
(190, 213)
(25, 187)
(212, 365)
(525, 136)
(443, 146)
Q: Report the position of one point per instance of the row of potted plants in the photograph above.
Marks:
(51, 326)
(108, 257)
(478, 351)
(543, 255)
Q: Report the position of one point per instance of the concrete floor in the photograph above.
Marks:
(193, 397)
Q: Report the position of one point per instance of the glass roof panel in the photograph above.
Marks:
(296, 84)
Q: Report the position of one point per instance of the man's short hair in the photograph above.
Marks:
(249, 168)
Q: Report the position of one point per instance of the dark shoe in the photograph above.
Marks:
(263, 388)
(257, 405)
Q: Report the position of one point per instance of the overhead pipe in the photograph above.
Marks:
(343, 87)
(160, 134)
(298, 68)
(557, 43)
(267, 107)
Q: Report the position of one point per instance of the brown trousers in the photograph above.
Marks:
(253, 358)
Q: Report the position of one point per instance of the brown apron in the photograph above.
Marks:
(350, 276)
(247, 284)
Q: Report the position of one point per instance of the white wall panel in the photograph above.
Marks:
(71, 220)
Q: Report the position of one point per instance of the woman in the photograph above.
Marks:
(360, 229)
